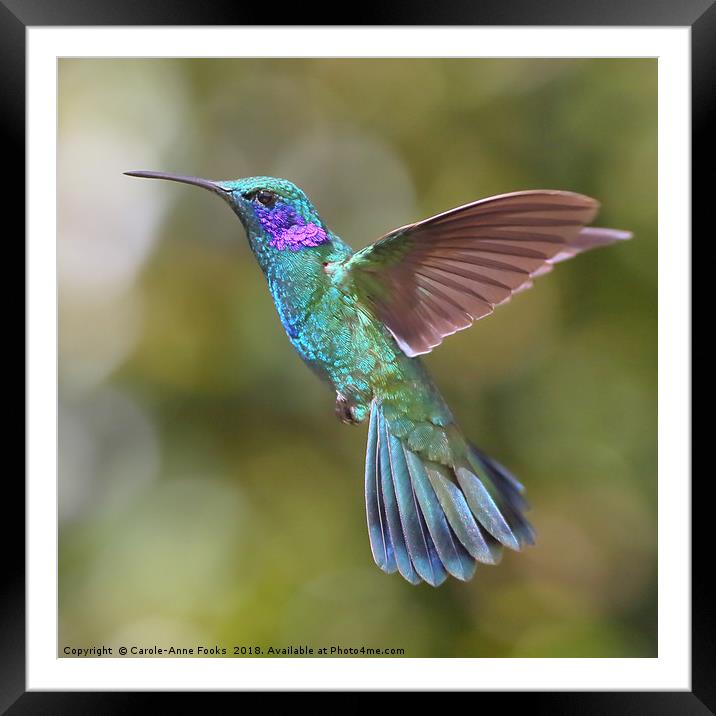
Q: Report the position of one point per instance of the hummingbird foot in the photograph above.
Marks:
(348, 412)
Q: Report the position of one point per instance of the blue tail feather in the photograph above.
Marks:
(380, 542)
(455, 557)
(460, 517)
(437, 566)
(427, 520)
(417, 538)
(395, 529)
(507, 492)
(485, 508)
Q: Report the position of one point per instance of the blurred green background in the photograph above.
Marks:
(207, 492)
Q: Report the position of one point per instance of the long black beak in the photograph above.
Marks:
(196, 181)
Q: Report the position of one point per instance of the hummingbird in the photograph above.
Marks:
(436, 504)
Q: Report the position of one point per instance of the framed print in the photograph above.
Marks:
(196, 517)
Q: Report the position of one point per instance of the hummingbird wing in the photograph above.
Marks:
(433, 278)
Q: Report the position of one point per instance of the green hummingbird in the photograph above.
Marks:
(435, 503)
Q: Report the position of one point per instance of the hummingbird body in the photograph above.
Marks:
(436, 504)
(336, 336)
(339, 338)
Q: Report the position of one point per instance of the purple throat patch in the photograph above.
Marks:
(287, 229)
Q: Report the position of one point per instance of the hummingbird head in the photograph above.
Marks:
(276, 214)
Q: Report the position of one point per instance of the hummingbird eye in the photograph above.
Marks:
(265, 197)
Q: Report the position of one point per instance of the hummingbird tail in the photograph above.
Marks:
(427, 520)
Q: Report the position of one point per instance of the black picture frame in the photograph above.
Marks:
(17, 15)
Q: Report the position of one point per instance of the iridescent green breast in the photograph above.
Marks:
(340, 338)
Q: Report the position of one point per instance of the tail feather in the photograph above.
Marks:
(508, 492)
(508, 483)
(485, 508)
(460, 517)
(417, 539)
(390, 501)
(454, 556)
(380, 542)
(427, 520)
(437, 568)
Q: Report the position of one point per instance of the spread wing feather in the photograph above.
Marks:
(433, 278)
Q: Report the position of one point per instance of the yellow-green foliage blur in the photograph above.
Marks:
(208, 495)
